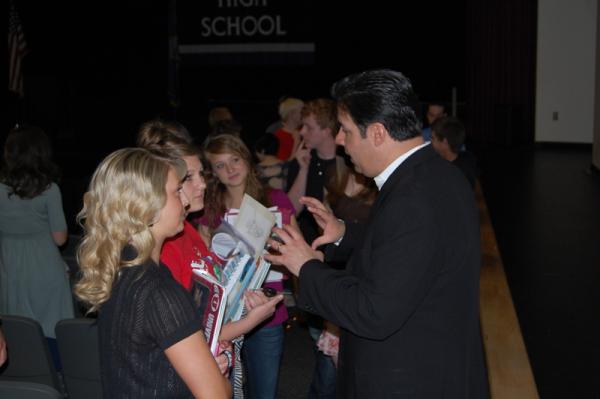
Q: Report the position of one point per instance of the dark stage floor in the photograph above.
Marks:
(545, 208)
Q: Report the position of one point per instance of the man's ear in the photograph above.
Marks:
(377, 133)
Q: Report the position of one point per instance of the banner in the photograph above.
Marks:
(246, 31)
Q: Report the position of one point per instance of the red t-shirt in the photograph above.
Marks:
(184, 252)
(286, 144)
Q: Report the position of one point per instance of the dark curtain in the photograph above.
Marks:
(501, 61)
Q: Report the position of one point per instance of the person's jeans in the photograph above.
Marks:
(324, 375)
(262, 353)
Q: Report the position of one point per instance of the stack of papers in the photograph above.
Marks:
(240, 242)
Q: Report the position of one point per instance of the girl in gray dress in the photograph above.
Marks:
(33, 278)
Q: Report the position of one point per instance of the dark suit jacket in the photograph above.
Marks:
(408, 302)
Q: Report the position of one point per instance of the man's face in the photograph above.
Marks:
(312, 133)
(434, 112)
(357, 147)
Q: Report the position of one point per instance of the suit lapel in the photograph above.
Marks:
(401, 172)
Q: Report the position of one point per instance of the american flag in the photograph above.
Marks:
(17, 48)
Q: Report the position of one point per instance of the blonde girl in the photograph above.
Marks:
(151, 341)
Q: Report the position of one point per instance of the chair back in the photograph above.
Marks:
(29, 358)
(27, 390)
(79, 352)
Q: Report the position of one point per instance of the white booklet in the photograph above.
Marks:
(254, 223)
(251, 225)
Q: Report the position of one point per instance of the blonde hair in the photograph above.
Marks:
(289, 105)
(215, 190)
(124, 198)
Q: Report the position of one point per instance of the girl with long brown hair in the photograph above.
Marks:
(233, 175)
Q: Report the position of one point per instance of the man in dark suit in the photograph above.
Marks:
(408, 302)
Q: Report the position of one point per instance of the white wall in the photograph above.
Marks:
(566, 71)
